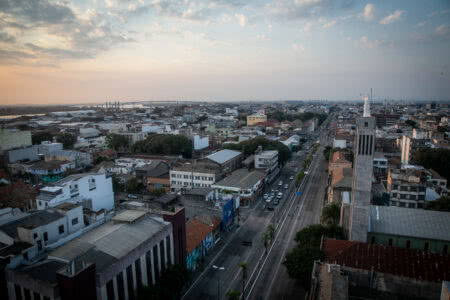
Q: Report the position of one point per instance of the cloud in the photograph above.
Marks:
(83, 34)
(329, 24)
(394, 17)
(305, 9)
(307, 27)
(369, 13)
(443, 29)
(8, 57)
(261, 38)
(242, 19)
(421, 24)
(298, 48)
(365, 43)
(439, 12)
(7, 38)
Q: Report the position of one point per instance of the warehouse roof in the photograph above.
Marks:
(241, 178)
(419, 223)
(223, 156)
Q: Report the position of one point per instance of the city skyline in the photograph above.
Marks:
(69, 52)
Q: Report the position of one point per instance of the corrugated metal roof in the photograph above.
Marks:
(223, 155)
(410, 222)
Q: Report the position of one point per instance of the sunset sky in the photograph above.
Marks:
(131, 50)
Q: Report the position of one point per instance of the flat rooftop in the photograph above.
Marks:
(241, 178)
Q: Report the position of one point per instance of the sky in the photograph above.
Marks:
(79, 51)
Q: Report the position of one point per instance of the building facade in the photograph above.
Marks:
(256, 119)
(266, 160)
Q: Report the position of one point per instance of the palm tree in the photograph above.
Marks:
(271, 232)
(244, 266)
(331, 214)
(266, 239)
(233, 295)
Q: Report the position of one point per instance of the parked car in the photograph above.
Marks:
(276, 202)
(269, 199)
(280, 195)
(291, 178)
(281, 183)
(266, 196)
(132, 196)
(286, 186)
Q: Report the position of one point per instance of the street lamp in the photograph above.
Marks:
(218, 280)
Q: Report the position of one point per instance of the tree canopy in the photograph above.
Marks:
(306, 116)
(67, 139)
(41, 136)
(171, 144)
(169, 286)
(299, 262)
(442, 204)
(117, 142)
(436, 159)
(249, 147)
(331, 213)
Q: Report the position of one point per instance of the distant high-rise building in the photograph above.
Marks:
(362, 176)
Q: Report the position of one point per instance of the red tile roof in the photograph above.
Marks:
(419, 265)
(196, 232)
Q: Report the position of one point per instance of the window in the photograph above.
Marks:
(110, 290)
(74, 221)
(40, 203)
(25, 255)
(35, 235)
(39, 243)
(137, 267)
(148, 261)
(426, 246)
(120, 287)
(390, 242)
(18, 292)
(45, 236)
(366, 124)
(402, 204)
(130, 286)
(174, 175)
(408, 244)
(61, 229)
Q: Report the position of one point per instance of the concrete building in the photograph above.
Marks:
(256, 119)
(409, 146)
(407, 187)
(50, 171)
(92, 190)
(12, 138)
(242, 182)
(380, 164)
(201, 142)
(109, 262)
(228, 160)
(362, 176)
(81, 159)
(195, 175)
(391, 273)
(266, 160)
(419, 229)
(338, 160)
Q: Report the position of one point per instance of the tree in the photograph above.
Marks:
(271, 232)
(167, 144)
(266, 240)
(233, 295)
(132, 185)
(299, 262)
(441, 204)
(117, 142)
(299, 178)
(41, 136)
(331, 214)
(117, 185)
(67, 139)
(244, 268)
(249, 147)
(436, 159)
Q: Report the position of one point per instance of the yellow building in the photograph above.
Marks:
(255, 119)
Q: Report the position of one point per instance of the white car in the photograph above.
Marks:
(281, 183)
(280, 195)
(291, 178)
(269, 199)
(306, 172)
(266, 196)
(286, 186)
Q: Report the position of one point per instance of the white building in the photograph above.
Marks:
(13, 138)
(89, 132)
(201, 142)
(266, 160)
(92, 190)
(152, 129)
(48, 147)
(194, 175)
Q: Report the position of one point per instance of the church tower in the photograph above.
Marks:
(362, 175)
